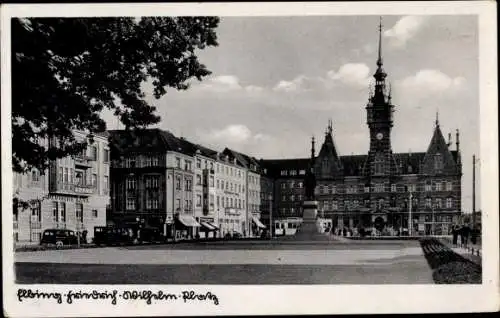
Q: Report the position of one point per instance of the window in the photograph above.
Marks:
(94, 180)
(154, 161)
(177, 204)
(186, 205)
(227, 185)
(178, 182)
(428, 202)
(36, 211)
(130, 162)
(218, 201)
(428, 186)
(60, 177)
(55, 211)
(34, 176)
(438, 186)
(411, 188)
(79, 212)
(449, 186)
(106, 155)
(131, 183)
(188, 184)
(367, 188)
(231, 202)
(130, 203)
(378, 164)
(293, 173)
(71, 175)
(438, 203)
(198, 163)
(380, 203)
(320, 189)
(62, 210)
(93, 153)
(335, 205)
(95, 213)
(283, 172)
(438, 162)
(178, 162)
(379, 187)
(292, 184)
(187, 165)
(300, 185)
(283, 198)
(198, 179)
(106, 184)
(292, 197)
(198, 200)
(355, 203)
(302, 172)
(393, 187)
(449, 203)
(367, 203)
(283, 185)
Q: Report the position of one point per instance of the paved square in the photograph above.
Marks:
(257, 262)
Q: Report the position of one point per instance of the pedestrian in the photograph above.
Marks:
(344, 231)
(454, 233)
(466, 232)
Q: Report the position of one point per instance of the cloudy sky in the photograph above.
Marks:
(277, 80)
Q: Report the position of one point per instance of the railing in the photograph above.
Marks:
(73, 187)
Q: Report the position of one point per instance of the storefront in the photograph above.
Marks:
(208, 229)
(185, 227)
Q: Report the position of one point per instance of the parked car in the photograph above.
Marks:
(109, 235)
(58, 237)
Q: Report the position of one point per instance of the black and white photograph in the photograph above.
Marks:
(190, 155)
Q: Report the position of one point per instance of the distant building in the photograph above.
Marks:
(253, 193)
(72, 193)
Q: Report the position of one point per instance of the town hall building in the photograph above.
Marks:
(379, 191)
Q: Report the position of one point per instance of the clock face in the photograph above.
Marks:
(380, 136)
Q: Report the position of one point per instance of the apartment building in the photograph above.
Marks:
(73, 193)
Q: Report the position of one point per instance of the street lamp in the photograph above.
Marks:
(270, 198)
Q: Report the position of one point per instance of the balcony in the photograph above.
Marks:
(82, 162)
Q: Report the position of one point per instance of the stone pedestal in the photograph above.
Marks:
(309, 229)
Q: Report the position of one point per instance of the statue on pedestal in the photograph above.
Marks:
(310, 185)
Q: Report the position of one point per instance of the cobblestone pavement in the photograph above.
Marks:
(219, 263)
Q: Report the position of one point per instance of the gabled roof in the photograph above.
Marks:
(328, 147)
(243, 159)
(409, 162)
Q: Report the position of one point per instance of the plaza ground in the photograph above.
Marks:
(259, 262)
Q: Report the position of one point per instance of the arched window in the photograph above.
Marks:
(378, 163)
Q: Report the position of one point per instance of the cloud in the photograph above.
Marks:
(226, 84)
(299, 84)
(405, 29)
(234, 134)
(352, 74)
(430, 81)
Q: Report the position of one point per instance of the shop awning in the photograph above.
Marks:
(213, 225)
(207, 226)
(258, 222)
(188, 220)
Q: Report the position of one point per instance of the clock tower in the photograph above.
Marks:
(379, 111)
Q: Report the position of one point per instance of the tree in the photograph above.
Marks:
(65, 71)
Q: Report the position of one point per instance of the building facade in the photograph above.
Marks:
(73, 193)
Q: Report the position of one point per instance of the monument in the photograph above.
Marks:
(309, 229)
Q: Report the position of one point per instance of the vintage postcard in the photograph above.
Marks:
(249, 158)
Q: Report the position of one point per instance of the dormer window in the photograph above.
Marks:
(438, 162)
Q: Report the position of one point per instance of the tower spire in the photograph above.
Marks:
(330, 126)
(437, 119)
(379, 60)
(312, 148)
